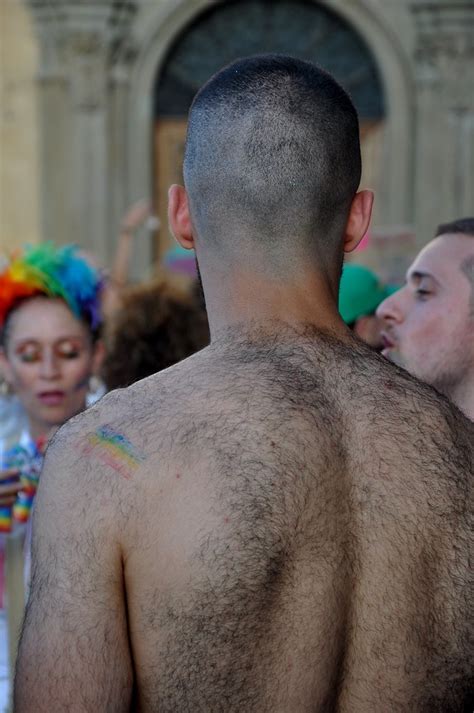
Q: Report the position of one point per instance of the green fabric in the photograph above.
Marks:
(361, 292)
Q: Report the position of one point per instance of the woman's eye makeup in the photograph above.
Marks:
(28, 353)
(68, 349)
(31, 352)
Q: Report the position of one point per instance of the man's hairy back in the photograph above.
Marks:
(296, 538)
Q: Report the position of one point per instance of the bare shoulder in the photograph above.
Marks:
(423, 427)
(129, 420)
(415, 450)
(125, 437)
(104, 438)
(402, 414)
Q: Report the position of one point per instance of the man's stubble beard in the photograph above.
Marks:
(443, 381)
(448, 379)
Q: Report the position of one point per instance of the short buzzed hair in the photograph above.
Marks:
(464, 226)
(273, 156)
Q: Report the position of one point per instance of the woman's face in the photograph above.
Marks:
(47, 360)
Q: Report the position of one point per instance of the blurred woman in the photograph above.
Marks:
(50, 348)
(49, 338)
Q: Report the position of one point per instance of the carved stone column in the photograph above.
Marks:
(445, 112)
(85, 59)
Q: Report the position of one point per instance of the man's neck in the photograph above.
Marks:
(238, 298)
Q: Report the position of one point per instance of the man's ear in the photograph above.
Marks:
(179, 217)
(358, 220)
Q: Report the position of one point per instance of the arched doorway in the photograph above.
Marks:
(236, 28)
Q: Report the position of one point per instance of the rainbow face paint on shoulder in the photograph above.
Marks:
(113, 449)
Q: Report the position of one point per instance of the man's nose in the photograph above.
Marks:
(389, 310)
(49, 365)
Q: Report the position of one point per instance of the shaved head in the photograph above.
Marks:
(272, 162)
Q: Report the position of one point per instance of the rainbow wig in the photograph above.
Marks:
(55, 272)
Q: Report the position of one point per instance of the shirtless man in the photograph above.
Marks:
(429, 323)
(280, 521)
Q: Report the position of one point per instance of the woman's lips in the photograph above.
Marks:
(51, 398)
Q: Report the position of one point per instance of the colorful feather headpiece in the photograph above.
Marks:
(56, 272)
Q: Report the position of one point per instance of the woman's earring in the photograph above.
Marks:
(95, 391)
(5, 389)
(94, 384)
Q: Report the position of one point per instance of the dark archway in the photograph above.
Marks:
(237, 28)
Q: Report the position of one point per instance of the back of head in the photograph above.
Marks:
(272, 162)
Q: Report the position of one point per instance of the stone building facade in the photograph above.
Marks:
(19, 135)
(113, 78)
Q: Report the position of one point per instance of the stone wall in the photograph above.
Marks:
(444, 167)
(19, 214)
